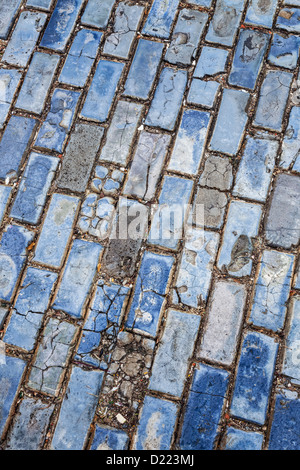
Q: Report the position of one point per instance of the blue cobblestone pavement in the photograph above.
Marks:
(187, 336)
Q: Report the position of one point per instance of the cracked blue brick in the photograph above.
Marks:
(290, 153)
(78, 277)
(288, 19)
(150, 293)
(174, 198)
(203, 93)
(236, 439)
(186, 36)
(241, 227)
(212, 61)
(254, 378)
(261, 13)
(109, 439)
(292, 344)
(9, 80)
(248, 58)
(272, 100)
(5, 192)
(160, 18)
(224, 24)
(8, 13)
(284, 51)
(143, 69)
(191, 138)
(54, 130)
(14, 143)
(57, 230)
(156, 425)
(127, 20)
(231, 122)
(195, 267)
(285, 421)
(11, 371)
(97, 13)
(103, 322)
(35, 184)
(43, 4)
(37, 82)
(61, 24)
(174, 353)
(121, 132)
(256, 168)
(272, 290)
(24, 38)
(102, 90)
(13, 251)
(167, 100)
(81, 58)
(78, 409)
(204, 408)
(29, 309)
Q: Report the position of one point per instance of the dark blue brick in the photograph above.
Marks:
(286, 422)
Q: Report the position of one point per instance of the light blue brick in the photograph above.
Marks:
(57, 230)
(61, 24)
(175, 195)
(55, 128)
(190, 141)
(201, 3)
(203, 93)
(143, 69)
(78, 277)
(292, 345)
(156, 425)
(174, 353)
(35, 184)
(186, 36)
(272, 290)
(3, 315)
(30, 308)
(160, 18)
(256, 168)
(102, 90)
(5, 192)
(127, 20)
(37, 82)
(291, 22)
(77, 410)
(291, 143)
(284, 52)
(236, 439)
(11, 371)
(8, 12)
(195, 268)
(9, 80)
(97, 13)
(24, 38)
(286, 422)
(167, 100)
(254, 378)
(224, 24)
(14, 143)
(242, 225)
(204, 408)
(13, 252)
(231, 122)
(273, 96)
(104, 319)
(150, 292)
(248, 58)
(212, 61)
(261, 13)
(43, 4)
(81, 58)
(109, 439)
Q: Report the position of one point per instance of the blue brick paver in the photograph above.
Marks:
(149, 225)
